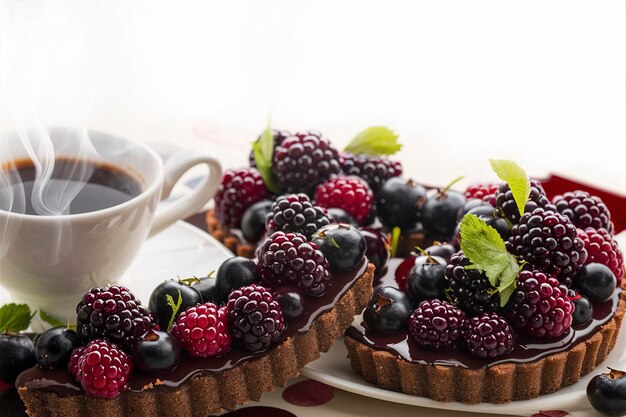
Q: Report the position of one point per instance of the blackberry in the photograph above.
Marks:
(255, 318)
(375, 170)
(239, 189)
(303, 161)
(483, 192)
(508, 207)
(279, 136)
(584, 210)
(470, 288)
(113, 313)
(349, 193)
(289, 259)
(488, 336)
(437, 325)
(295, 213)
(540, 305)
(603, 249)
(550, 242)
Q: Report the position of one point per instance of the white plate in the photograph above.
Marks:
(333, 368)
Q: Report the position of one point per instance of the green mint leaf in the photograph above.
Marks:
(263, 150)
(15, 317)
(484, 247)
(174, 306)
(52, 321)
(375, 140)
(517, 179)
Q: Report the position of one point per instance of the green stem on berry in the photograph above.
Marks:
(454, 181)
(395, 238)
(431, 260)
(174, 307)
(189, 281)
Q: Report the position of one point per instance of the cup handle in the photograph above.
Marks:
(188, 205)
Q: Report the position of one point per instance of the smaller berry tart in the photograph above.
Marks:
(528, 301)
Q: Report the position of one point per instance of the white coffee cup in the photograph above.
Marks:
(50, 261)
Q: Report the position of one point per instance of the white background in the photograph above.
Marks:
(542, 82)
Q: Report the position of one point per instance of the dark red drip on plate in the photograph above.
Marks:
(526, 350)
(62, 383)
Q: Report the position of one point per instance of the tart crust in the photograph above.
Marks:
(496, 384)
(214, 392)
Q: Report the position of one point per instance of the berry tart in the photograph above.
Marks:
(523, 299)
(299, 182)
(201, 346)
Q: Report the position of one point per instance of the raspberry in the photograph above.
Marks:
(279, 136)
(72, 366)
(103, 370)
(437, 325)
(255, 318)
(303, 161)
(375, 170)
(484, 192)
(488, 336)
(114, 314)
(602, 248)
(202, 331)
(540, 305)
(471, 289)
(239, 189)
(506, 203)
(295, 213)
(351, 194)
(550, 242)
(288, 259)
(584, 210)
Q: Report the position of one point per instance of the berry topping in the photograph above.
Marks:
(54, 347)
(508, 207)
(114, 314)
(255, 318)
(484, 192)
(596, 281)
(470, 288)
(375, 170)
(540, 305)
(303, 161)
(253, 220)
(156, 352)
(603, 249)
(441, 250)
(338, 215)
(427, 280)
(103, 370)
(550, 242)
(437, 325)
(72, 366)
(377, 248)
(488, 336)
(388, 312)
(202, 331)
(584, 210)
(295, 213)
(351, 194)
(17, 353)
(439, 214)
(239, 189)
(488, 214)
(288, 259)
(177, 290)
(607, 393)
(291, 301)
(400, 202)
(583, 309)
(233, 273)
(343, 245)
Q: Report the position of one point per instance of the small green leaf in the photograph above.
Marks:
(375, 140)
(484, 247)
(263, 150)
(517, 179)
(15, 317)
(52, 321)
(174, 306)
(333, 242)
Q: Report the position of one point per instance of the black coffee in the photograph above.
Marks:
(96, 186)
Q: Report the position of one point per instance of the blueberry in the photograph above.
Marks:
(342, 244)
(290, 300)
(583, 309)
(208, 290)
(470, 204)
(432, 260)
(441, 250)
(159, 306)
(489, 215)
(54, 347)
(338, 215)
(399, 203)
(17, 353)
(253, 220)
(607, 393)
(388, 312)
(377, 248)
(234, 273)
(157, 352)
(439, 215)
(596, 281)
(427, 281)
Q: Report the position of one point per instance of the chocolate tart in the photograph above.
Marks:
(231, 238)
(199, 387)
(534, 367)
